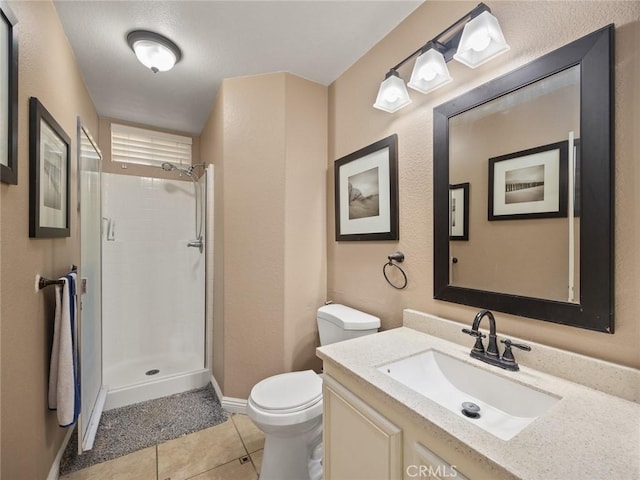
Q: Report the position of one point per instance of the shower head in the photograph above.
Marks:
(170, 167)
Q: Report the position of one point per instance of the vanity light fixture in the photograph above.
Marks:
(482, 40)
(156, 52)
(393, 94)
(430, 71)
(473, 40)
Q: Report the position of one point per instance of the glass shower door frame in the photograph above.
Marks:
(89, 334)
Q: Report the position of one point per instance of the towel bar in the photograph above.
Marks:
(45, 282)
(42, 282)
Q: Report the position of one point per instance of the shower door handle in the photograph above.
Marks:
(112, 237)
(110, 229)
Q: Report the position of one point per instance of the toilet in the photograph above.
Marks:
(288, 407)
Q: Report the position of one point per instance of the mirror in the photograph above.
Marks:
(523, 197)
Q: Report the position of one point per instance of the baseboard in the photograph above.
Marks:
(234, 405)
(54, 471)
(230, 404)
(216, 387)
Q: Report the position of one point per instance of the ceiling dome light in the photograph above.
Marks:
(154, 51)
(482, 40)
(430, 72)
(392, 95)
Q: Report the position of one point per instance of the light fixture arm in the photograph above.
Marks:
(447, 46)
(472, 40)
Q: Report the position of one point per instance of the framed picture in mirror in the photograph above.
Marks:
(459, 211)
(529, 184)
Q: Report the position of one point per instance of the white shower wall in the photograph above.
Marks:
(153, 284)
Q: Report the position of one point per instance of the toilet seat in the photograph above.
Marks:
(287, 399)
(287, 392)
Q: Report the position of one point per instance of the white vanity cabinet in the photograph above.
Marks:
(359, 442)
(377, 428)
(366, 438)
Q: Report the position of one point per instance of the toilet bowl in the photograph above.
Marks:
(288, 407)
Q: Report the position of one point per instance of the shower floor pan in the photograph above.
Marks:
(130, 383)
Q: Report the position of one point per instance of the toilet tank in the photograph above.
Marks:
(338, 322)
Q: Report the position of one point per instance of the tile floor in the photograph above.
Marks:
(229, 451)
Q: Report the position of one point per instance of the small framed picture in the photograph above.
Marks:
(49, 162)
(529, 184)
(366, 193)
(8, 96)
(459, 211)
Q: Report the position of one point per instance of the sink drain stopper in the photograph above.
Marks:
(470, 409)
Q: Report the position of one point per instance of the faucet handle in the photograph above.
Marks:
(478, 347)
(507, 355)
(508, 344)
(474, 333)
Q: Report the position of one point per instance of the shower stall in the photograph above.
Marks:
(153, 284)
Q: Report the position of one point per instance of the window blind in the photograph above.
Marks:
(148, 147)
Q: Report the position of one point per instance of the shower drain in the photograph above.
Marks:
(152, 372)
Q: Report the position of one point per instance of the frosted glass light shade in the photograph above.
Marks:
(392, 95)
(429, 72)
(154, 51)
(154, 56)
(481, 41)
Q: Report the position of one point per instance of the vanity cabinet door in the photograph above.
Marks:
(420, 462)
(359, 443)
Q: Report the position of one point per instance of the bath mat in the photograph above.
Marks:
(134, 427)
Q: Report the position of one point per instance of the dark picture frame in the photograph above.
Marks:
(459, 211)
(49, 174)
(366, 193)
(8, 96)
(530, 183)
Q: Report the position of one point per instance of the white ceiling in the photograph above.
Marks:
(317, 40)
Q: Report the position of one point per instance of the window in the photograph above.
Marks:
(148, 147)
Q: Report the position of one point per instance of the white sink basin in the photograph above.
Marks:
(506, 407)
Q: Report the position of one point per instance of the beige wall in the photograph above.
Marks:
(30, 434)
(267, 137)
(212, 141)
(532, 29)
(212, 151)
(305, 246)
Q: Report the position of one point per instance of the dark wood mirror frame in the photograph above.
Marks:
(594, 54)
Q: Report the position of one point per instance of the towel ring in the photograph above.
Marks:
(399, 257)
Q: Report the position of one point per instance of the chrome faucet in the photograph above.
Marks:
(492, 355)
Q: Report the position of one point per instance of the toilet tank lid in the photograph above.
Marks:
(348, 318)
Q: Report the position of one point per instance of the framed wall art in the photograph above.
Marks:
(459, 211)
(529, 184)
(8, 96)
(49, 163)
(366, 193)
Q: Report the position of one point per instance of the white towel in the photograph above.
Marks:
(63, 387)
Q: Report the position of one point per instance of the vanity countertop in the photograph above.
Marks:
(587, 434)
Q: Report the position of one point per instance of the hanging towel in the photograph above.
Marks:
(64, 392)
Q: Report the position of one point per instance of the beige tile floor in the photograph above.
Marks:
(229, 451)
